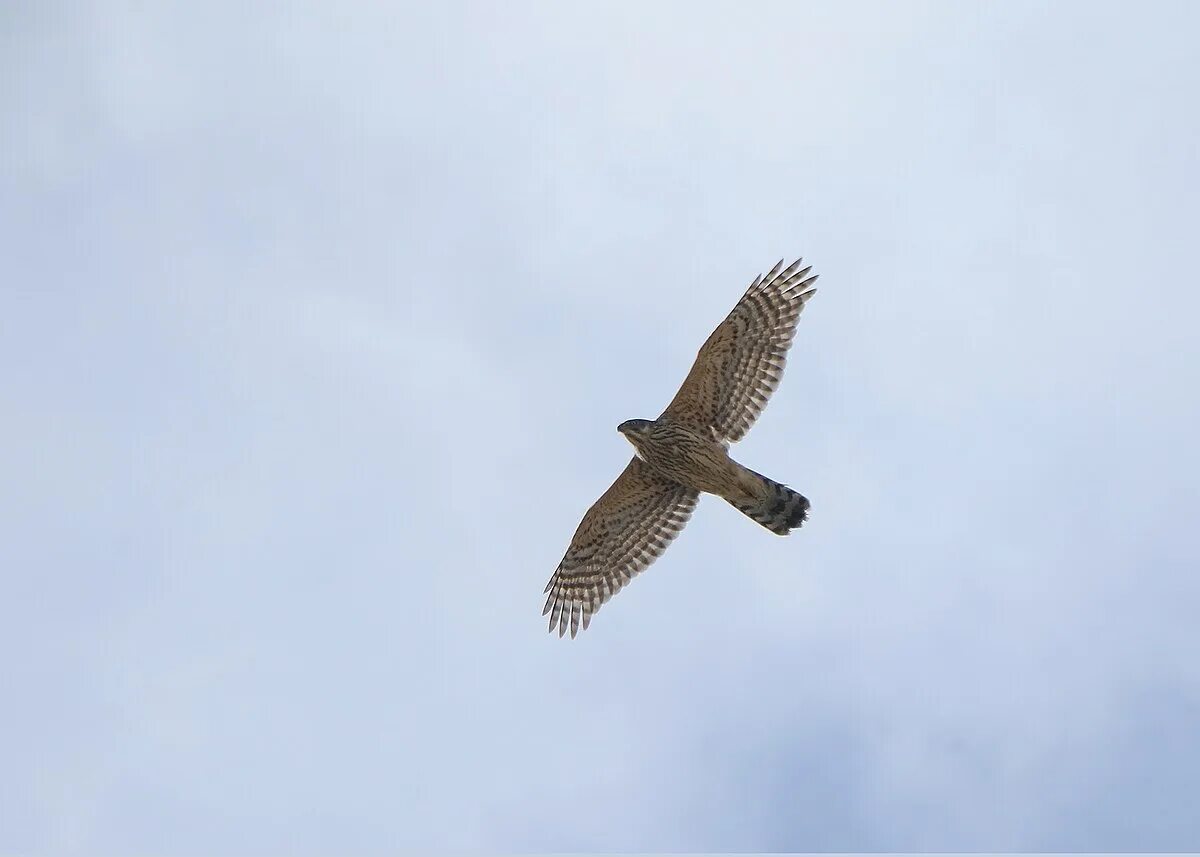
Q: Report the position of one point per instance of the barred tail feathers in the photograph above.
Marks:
(775, 506)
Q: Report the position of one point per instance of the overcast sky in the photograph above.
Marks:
(315, 328)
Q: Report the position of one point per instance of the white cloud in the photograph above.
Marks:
(321, 328)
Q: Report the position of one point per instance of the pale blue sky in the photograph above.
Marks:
(316, 324)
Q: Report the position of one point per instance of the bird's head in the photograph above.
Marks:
(634, 428)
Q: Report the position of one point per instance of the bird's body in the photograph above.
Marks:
(684, 455)
(685, 452)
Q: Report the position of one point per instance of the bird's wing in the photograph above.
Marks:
(625, 530)
(740, 364)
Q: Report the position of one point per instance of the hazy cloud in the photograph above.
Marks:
(316, 327)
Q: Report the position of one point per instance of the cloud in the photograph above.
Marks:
(319, 329)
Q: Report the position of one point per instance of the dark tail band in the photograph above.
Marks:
(781, 511)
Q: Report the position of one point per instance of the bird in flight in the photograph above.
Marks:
(685, 452)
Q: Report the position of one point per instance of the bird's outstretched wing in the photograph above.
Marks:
(625, 530)
(740, 364)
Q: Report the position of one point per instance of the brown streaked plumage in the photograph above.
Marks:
(685, 453)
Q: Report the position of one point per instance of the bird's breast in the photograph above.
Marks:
(688, 458)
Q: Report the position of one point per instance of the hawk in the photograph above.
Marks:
(685, 453)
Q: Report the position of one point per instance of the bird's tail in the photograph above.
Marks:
(777, 507)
